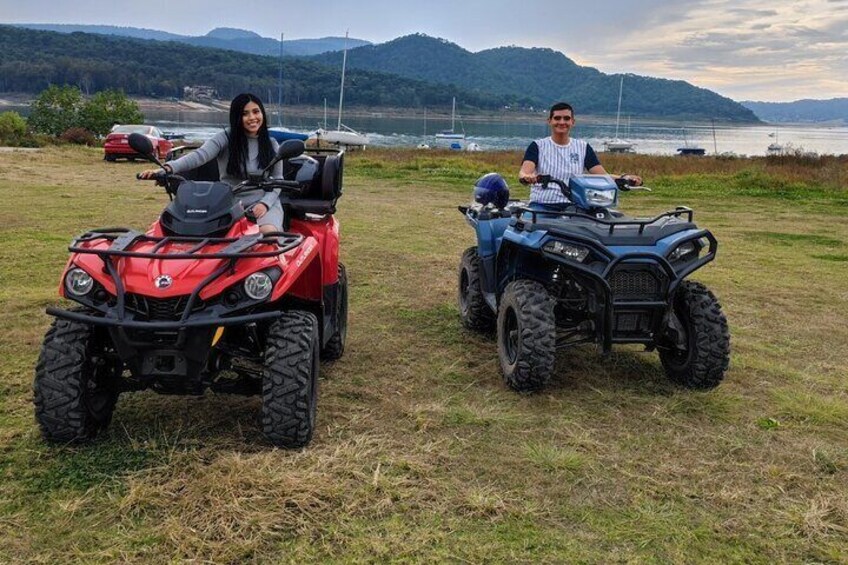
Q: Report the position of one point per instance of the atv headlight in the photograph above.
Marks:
(568, 250)
(258, 286)
(683, 250)
(600, 197)
(78, 282)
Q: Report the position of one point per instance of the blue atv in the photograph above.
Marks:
(546, 280)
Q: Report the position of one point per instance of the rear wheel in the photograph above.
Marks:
(290, 380)
(336, 344)
(526, 335)
(75, 388)
(473, 310)
(110, 158)
(703, 363)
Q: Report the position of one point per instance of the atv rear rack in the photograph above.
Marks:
(643, 223)
(122, 239)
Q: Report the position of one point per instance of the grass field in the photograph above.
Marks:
(421, 452)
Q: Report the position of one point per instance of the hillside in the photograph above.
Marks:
(220, 38)
(834, 110)
(412, 71)
(539, 77)
(32, 60)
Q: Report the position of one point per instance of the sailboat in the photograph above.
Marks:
(688, 149)
(342, 135)
(618, 145)
(451, 133)
(775, 148)
(280, 133)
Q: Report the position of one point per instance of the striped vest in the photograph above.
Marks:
(559, 161)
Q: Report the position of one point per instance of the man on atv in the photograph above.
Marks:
(559, 156)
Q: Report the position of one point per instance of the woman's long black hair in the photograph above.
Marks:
(237, 146)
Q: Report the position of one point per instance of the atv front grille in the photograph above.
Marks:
(160, 309)
(641, 283)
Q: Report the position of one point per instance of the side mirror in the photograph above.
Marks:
(142, 145)
(288, 149)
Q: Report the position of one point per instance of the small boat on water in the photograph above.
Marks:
(775, 148)
(281, 134)
(342, 135)
(347, 137)
(618, 145)
(690, 150)
(451, 133)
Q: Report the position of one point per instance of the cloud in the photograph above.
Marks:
(745, 48)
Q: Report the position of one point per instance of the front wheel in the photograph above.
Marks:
(290, 380)
(526, 335)
(76, 383)
(707, 355)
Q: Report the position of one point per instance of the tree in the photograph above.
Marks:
(56, 110)
(106, 108)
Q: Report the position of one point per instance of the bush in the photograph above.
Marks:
(13, 128)
(79, 136)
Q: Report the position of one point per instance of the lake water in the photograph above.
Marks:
(662, 139)
(493, 134)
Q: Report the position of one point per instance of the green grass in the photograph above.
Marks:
(421, 452)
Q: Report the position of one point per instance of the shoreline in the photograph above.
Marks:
(14, 100)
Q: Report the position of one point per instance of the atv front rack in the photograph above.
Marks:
(122, 239)
(613, 224)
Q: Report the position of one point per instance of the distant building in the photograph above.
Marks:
(199, 92)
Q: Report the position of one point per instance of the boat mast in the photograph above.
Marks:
(341, 90)
(453, 115)
(280, 87)
(715, 144)
(618, 112)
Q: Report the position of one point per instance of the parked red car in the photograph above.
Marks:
(117, 146)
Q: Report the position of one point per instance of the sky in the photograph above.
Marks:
(766, 50)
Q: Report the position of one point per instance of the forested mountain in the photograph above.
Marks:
(538, 77)
(220, 38)
(32, 60)
(833, 110)
(412, 71)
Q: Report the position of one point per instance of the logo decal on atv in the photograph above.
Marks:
(163, 281)
(304, 254)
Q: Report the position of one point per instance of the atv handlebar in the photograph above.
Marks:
(289, 186)
(621, 182)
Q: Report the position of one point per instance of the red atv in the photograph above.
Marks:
(201, 301)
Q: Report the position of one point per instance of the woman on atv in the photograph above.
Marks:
(242, 149)
(559, 156)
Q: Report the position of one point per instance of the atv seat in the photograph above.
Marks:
(320, 195)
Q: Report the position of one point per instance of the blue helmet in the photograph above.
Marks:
(491, 189)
